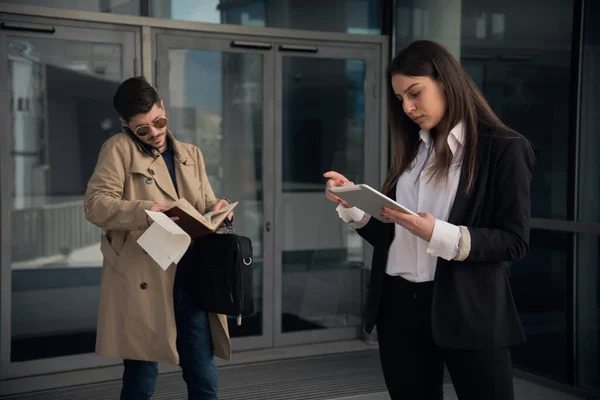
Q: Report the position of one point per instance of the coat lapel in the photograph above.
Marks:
(163, 178)
(184, 173)
(155, 170)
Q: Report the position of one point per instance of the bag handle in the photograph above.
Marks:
(229, 225)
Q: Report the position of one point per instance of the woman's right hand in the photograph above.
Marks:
(336, 179)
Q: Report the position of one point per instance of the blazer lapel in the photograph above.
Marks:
(390, 228)
(461, 200)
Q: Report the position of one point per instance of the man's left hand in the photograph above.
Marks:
(220, 204)
(421, 225)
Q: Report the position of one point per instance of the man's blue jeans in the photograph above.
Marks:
(196, 356)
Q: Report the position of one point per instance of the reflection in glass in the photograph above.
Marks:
(588, 312)
(589, 137)
(124, 7)
(188, 10)
(323, 129)
(588, 246)
(349, 16)
(361, 17)
(216, 102)
(60, 96)
(539, 283)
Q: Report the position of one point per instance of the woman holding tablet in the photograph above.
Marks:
(438, 292)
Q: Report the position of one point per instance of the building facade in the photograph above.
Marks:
(276, 92)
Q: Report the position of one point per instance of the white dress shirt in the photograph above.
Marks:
(410, 256)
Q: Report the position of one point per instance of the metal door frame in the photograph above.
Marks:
(73, 31)
(370, 54)
(165, 39)
(272, 153)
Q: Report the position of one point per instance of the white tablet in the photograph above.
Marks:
(368, 199)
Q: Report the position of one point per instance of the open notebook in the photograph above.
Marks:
(166, 241)
(194, 223)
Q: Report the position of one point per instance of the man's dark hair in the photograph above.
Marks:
(134, 96)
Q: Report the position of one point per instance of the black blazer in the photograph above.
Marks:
(473, 307)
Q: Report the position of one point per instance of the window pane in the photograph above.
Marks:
(588, 313)
(216, 103)
(588, 246)
(361, 17)
(522, 68)
(350, 16)
(126, 7)
(61, 111)
(322, 275)
(589, 136)
(539, 284)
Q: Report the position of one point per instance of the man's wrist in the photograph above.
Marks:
(227, 199)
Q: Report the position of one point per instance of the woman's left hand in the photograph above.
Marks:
(421, 225)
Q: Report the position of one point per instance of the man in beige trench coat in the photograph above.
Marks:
(146, 315)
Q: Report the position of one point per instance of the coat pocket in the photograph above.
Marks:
(107, 251)
(111, 256)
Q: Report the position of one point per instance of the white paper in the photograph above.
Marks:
(164, 241)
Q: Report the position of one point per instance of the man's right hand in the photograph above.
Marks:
(335, 180)
(159, 208)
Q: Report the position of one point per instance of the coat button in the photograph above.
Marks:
(143, 285)
(151, 172)
(149, 181)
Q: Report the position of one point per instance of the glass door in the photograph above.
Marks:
(327, 101)
(218, 92)
(58, 79)
(271, 116)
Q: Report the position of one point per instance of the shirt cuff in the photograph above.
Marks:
(444, 240)
(350, 214)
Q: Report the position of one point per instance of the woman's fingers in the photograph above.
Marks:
(421, 225)
(335, 180)
(339, 179)
(333, 174)
(396, 216)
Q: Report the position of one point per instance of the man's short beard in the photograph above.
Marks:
(154, 146)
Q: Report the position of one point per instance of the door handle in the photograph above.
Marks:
(28, 28)
(268, 227)
(298, 49)
(251, 45)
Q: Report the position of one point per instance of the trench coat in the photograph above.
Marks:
(136, 316)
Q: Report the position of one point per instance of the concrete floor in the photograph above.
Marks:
(524, 389)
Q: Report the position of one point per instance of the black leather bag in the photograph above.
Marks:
(223, 274)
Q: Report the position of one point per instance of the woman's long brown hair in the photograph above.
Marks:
(464, 103)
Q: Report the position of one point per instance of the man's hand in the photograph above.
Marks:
(421, 225)
(220, 204)
(159, 208)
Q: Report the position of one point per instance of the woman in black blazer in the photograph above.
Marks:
(439, 292)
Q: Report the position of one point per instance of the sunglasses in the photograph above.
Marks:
(158, 123)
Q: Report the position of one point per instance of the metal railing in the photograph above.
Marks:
(48, 230)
